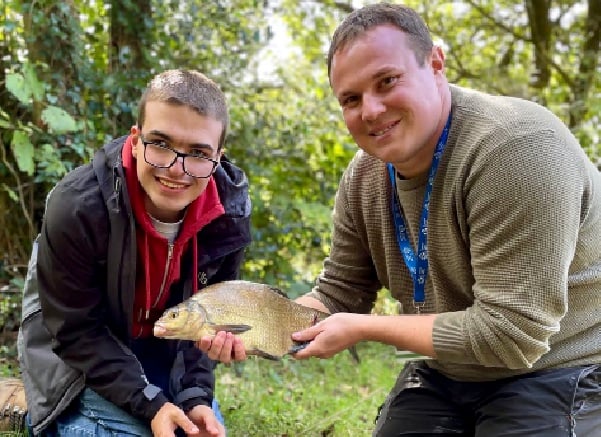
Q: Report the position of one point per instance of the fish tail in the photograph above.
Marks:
(354, 355)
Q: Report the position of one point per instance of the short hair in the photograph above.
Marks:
(187, 88)
(366, 18)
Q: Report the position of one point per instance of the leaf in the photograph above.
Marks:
(23, 152)
(36, 88)
(15, 83)
(11, 193)
(58, 120)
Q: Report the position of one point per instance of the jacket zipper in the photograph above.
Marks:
(162, 289)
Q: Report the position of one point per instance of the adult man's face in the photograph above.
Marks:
(170, 190)
(393, 107)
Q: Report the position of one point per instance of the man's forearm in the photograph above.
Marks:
(406, 332)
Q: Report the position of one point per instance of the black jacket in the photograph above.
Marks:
(76, 330)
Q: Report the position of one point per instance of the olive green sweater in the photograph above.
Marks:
(514, 242)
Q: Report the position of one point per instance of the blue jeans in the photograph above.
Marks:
(547, 403)
(94, 416)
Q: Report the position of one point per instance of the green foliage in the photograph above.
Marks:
(71, 74)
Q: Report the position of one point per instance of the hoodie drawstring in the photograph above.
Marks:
(147, 274)
(195, 265)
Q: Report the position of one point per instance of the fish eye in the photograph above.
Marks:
(173, 314)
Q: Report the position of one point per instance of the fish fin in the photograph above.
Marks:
(238, 368)
(298, 346)
(354, 354)
(263, 354)
(234, 329)
(278, 291)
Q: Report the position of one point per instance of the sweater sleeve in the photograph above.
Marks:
(525, 201)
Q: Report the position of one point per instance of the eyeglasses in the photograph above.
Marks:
(160, 155)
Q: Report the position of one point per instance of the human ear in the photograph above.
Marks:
(135, 135)
(437, 59)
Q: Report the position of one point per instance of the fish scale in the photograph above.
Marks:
(261, 315)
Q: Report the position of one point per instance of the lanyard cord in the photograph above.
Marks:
(418, 266)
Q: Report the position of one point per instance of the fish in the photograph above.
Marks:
(260, 314)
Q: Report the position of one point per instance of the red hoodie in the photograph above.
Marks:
(155, 254)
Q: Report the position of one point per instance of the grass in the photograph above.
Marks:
(333, 397)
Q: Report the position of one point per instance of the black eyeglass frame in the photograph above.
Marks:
(178, 154)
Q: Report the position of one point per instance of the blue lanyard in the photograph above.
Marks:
(418, 266)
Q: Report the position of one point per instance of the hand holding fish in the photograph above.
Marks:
(223, 346)
(334, 334)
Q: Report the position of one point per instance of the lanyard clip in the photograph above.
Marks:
(418, 306)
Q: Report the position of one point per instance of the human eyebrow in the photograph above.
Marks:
(386, 72)
(192, 146)
(344, 97)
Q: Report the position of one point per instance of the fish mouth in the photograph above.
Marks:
(161, 331)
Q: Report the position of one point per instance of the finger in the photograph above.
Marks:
(225, 356)
(168, 418)
(205, 343)
(304, 353)
(212, 426)
(307, 334)
(186, 424)
(239, 351)
(216, 345)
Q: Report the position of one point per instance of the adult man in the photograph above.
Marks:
(155, 215)
(482, 216)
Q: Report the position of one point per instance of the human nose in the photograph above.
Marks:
(178, 166)
(371, 107)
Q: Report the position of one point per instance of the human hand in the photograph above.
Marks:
(205, 420)
(330, 336)
(223, 346)
(168, 418)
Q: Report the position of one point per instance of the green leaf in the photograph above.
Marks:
(15, 83)
(11, 193)
(31, 79)
(23, 152)
(58, 120)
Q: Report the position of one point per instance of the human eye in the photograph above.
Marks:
(158, 143)
(200, 153)
(349, 101)
(388, 81)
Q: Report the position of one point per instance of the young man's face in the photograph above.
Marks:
(391, 105)
(170, 190)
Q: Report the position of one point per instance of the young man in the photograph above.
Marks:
(482, 215)
(155, 216)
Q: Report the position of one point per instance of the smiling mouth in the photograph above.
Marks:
(169, 184)
(384, 130)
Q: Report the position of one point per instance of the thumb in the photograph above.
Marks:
(307, 334)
